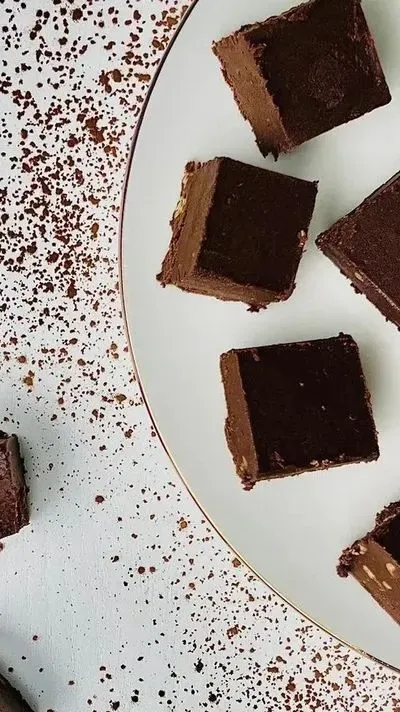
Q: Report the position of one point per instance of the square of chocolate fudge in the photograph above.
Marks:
(297, 407)
(238, 232)
(365, 247)
(305, 72)
(374, 560)
(13, 494)
(10, 699)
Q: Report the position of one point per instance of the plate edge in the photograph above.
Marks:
(127, 330)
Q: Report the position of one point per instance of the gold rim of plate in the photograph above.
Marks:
(259, 576)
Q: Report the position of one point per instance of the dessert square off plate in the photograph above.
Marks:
(290, 532)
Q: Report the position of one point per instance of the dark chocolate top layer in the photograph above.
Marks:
(320, 65)
(257, 226)
(308, 404)
(10, 699)
(369, 238)
(388, 536)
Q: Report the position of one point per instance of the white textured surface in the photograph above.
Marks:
(198, 628)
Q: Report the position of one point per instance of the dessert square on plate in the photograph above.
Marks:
(238, 232)
(303, 73)
(365, 245)
(374, 561)
(297, 407)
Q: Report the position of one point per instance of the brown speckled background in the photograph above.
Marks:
(119, 596)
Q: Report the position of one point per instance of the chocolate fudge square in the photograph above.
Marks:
(10, 699)
(374, 561)
(303, 73)
(238, 232)
(297, 407)
(365, 245)
(13, 493)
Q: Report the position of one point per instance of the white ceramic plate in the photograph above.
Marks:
(291, 531)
